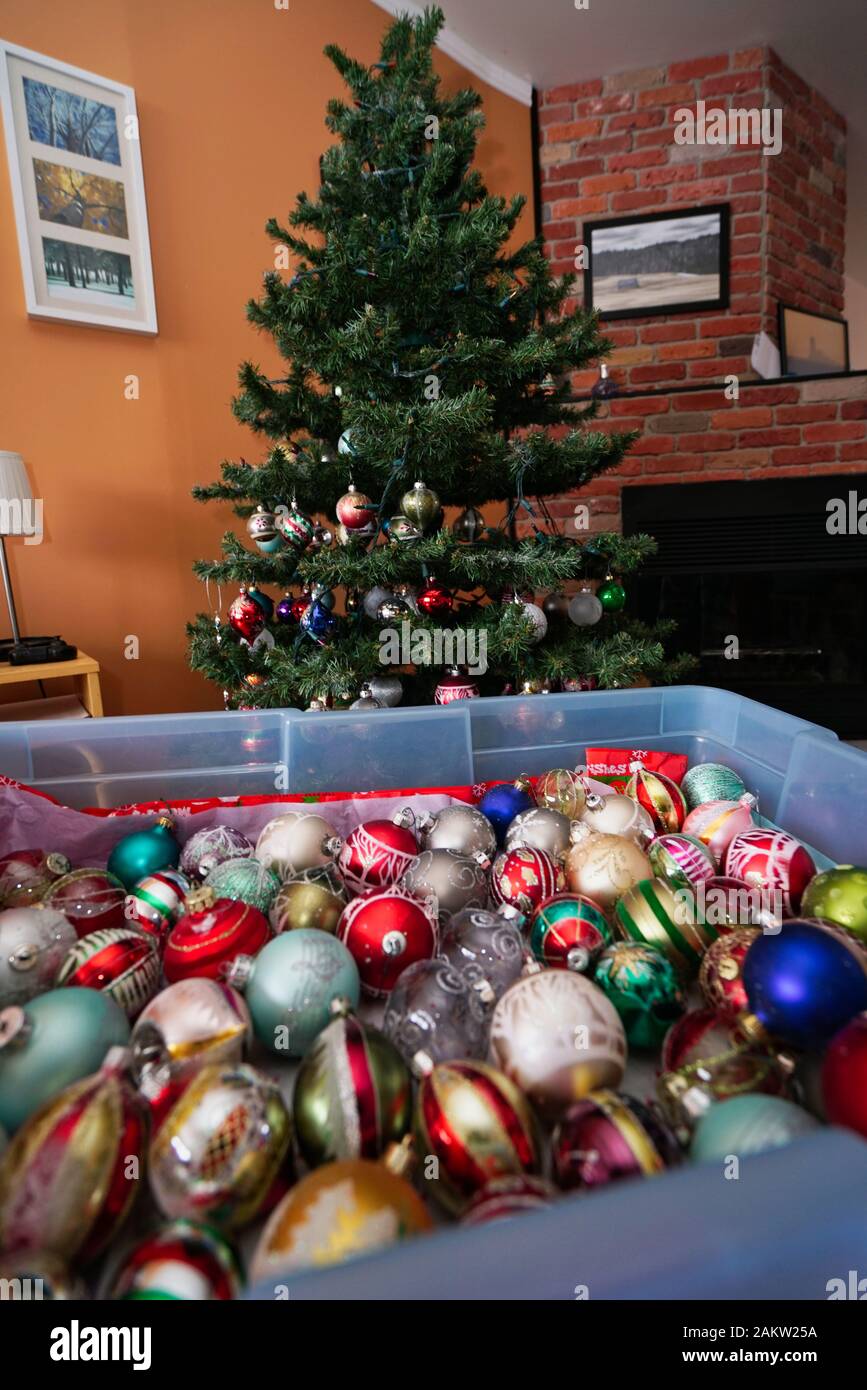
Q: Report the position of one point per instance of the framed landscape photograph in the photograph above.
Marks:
(812, 344)
(78, 192)
(658, 263)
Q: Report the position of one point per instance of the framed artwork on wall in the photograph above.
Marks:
(812, 344)
(78, 191)
(658, 263)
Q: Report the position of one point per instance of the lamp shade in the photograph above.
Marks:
(15, 493)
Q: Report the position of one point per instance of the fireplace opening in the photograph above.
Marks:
(766, 589)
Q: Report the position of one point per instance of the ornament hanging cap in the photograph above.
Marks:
(341, 1007)
(165, 821)
(400, 1159)
(15, 1027)
(57, 864)
(200, 899)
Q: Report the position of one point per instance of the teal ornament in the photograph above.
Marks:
(246, 881)
(745, 1125)
(711, 782)
(51, 1042)
(291, 986)
(145, 852)
(265, 602)
(611, 595)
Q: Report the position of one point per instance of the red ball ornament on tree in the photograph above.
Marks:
(376, 854)
(775, 863)
(844, 1077)
(246, 617)
(212, 933)
(455, 686)
(524, 877)
(434, 599)
(355, 510)
(385, 930)
(89, 899)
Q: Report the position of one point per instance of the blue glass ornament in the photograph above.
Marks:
(502, 804)
(805, 983)
(318, 622)
(145, 852)
(265, 602)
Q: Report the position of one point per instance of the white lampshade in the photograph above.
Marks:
(15, 491)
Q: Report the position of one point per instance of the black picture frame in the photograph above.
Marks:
(791, 363)
(662, 309)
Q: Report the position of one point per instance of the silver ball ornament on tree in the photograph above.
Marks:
(456, 880)
(459, 827)
(556, 605)
(388, 690)
(540, 828)
(469, 525)
(534, 615)
(374, 597)
(366, 699)
(584, 608)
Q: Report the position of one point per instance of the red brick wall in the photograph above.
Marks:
(608, 149)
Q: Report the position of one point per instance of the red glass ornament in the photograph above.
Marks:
(385, 930)
(524, 877)
(774, 862)
(661, 798)
(720, 978)
(120, 961)
(434, 599)
(68, 1183)
(355, 510)
(27, 874)
(844, 1077)
(699, 1034)
(156, 902)
(502, 1198)
(300, 604)
(375, 854)
(89, 899)
(455, 686)
(211, 934)
(246, 617)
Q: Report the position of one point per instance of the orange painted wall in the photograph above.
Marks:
(231, 95)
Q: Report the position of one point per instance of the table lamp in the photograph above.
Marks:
(16, 499)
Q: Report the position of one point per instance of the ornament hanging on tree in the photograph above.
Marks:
(318, 622)
(262, 530)
(211, 934)
(220, 1148)
(611, 595)
(355, 510)
(245, 616)
(295, 841)
(295, 528)
(486, 949)
(375, 854)
(562, 790)
(157, 902)
(478, 1126)
(212, 846)
(681, 860)
(423, 508)
(344, 443)
(660, 797)
(313, 898)
(584, 609)
(123, 962)
(468, 525)
(555, 606)
(569, 932)
(605, 867)
(291, 985)
(244, 880)
(503, 802)
(773, 862)
(806, 983)
(652, 912)
(607, 1137)
(533, 1039)
(455, 685)
(386, 690)
(51, 1042)
(716, 823)
(641, 983)
(366, 699)
(459, 827)
(839, 895)
(358, 539)
(385, 930)
(711, 782)
(145, 852)
(619, 815)
(72, 1174)
(28, 874)
(456, 881)
(523, 877)
(337, 1212)
(434, 599)
(374, 598)
(284, 611)
(535, 617)
(353, 1093)
(720, 978)
(184, 1262)
(33, 943)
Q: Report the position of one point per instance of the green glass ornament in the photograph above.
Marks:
(353, 1093)
(423, 507)
(246, 881)
(711, 782)
(51, 1042)
(839, 895)
(752, 1124)
(145, 852)
(644, 988)
(611, 595)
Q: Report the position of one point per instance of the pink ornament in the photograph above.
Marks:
(716, 823)
(376, 854)
(774, 862)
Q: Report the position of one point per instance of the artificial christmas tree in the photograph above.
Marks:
(428, 367)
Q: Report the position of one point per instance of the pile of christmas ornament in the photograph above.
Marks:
(309, 1046)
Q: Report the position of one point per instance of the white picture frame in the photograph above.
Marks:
(72, 142)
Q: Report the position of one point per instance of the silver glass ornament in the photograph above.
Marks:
(366, 699)
(33, 943)
(374, 597)
(433, 1015)
(459, 827)
(456, 880)
(390, 610)
(388, 690)
(469, 525)
(585, 608)
(540, 828)
(486, 948)
(537, 619)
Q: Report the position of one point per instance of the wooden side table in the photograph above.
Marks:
(83, 669)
